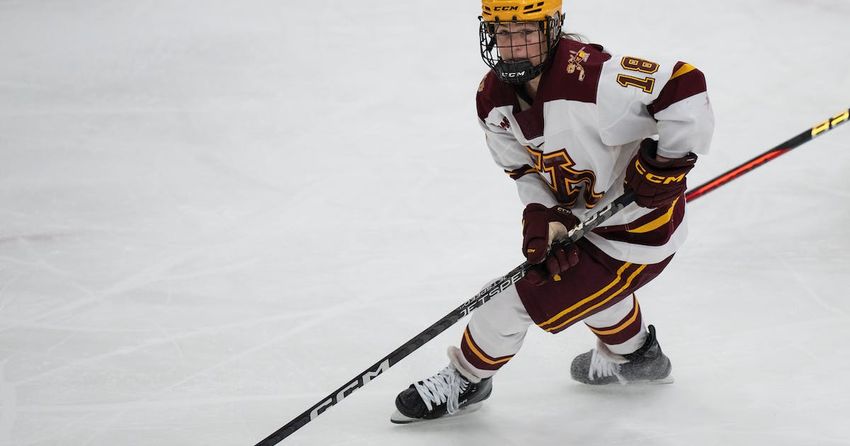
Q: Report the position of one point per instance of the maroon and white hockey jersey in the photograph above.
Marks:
(572, 144)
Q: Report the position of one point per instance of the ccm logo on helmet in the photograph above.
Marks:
(505, 8)
(657, 179)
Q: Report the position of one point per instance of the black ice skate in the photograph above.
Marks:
(601, 366)
(447, 393)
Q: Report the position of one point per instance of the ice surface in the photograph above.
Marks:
(213, 214)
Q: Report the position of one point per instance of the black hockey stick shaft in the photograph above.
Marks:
(816, 130)
(438, 327)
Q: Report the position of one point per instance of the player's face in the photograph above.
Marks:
(520, 41)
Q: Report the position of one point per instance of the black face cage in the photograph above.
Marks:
(518, 71)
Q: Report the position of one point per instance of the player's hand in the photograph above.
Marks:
(541, 226)
(657, 183)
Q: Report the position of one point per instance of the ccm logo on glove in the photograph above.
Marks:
(657, 183)
(657, 179)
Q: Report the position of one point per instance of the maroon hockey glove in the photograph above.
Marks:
(540, 227)
(657, 183)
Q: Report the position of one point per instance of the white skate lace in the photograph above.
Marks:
(444, 387)
(603, 363)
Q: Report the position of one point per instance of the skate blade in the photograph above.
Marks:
(641, 382)
(399, 418)
(668, 380)
(648, 382)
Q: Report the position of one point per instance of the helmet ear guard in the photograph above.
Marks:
(491, 31)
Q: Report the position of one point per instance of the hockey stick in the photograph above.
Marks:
(438, 327)
(817, 130)
(519, 272)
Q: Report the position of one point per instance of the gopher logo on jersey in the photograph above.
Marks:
(575, 62)
(566, 182)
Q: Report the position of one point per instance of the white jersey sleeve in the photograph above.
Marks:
(640, 96)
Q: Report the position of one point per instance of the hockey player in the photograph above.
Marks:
(575, 126)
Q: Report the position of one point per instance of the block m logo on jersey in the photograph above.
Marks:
(566, 182)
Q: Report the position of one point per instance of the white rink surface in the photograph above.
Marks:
(213, 214)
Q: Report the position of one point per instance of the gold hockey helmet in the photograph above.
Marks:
(515, 52)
